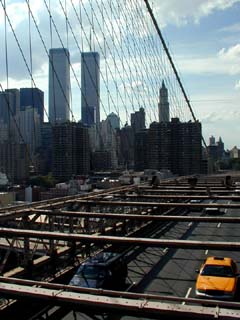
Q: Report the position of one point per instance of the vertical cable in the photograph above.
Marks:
(51, 69)
(67, 41)
(6, 42)
(66, 24)
(34, 140)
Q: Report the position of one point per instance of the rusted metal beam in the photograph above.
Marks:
(183, 187)
(145, 217)
(158, 204)
(37, 262)
(199, 184)
(181, 197)
(143, 307)
(184, 191)
(220, 245)
(56, 202)
(111, 293)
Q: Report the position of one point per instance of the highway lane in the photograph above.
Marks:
(172, 271)
(177, 276)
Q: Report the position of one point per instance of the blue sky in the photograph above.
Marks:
(203, 37)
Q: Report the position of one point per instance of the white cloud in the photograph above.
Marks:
(17, 13)
(181, 12)
(231, 28)
(232, 53)
(237, 85)
(226, 62)
(220, 115)
(207, 7)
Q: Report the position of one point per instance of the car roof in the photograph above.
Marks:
(102, 258)
(219, 261)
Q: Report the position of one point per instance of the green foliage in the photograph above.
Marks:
(43, 181)
(235, 164)
(230, 164)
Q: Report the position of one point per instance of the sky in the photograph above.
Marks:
(204, 39)
(202, 35)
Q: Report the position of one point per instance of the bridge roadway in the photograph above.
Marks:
(171, 271)
(167, 271)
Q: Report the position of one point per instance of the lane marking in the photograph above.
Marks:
(187, 294)
(219, 225)
(225, 210)
(190, 223)
(165, 250)
(206, 252)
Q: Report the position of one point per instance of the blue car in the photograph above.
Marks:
(106, 270)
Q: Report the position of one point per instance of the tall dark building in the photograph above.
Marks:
(186, 147)
(7, 107)
(159, 146)
(101, 160)
(16, 100)
(90, 71)
(175, 146)
(138, 120)
(82, 154)
(59, 85)
(163, 105)
(114, 120)
(140, 150)
(71, 153)
(45, 151)
(33, 97)
(126, 156)
(14, 161)
(220, 145)
(215, 149)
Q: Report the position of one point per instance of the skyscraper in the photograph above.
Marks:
(59, 85)
(212, 141)
(33, 97)
(175, 146)
(8, 105)
(90, 88)
(138, 120)
(71, 153)
(16, 101)
(114, 120)
(126, 155)
(163, 105)
(28, 122)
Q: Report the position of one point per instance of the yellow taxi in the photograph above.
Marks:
(217, 278)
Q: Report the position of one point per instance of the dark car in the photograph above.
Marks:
(106, 270)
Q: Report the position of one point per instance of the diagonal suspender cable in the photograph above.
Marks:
(171, 62)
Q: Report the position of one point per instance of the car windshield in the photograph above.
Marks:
(217, 271)
(91, 272)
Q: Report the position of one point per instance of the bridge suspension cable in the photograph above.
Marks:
(126, 35)
(171, 61)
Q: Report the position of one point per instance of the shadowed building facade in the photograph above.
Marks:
(90, 88)
(59, 85)
(71, 152)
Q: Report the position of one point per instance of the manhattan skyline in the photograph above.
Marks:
(202, 37)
